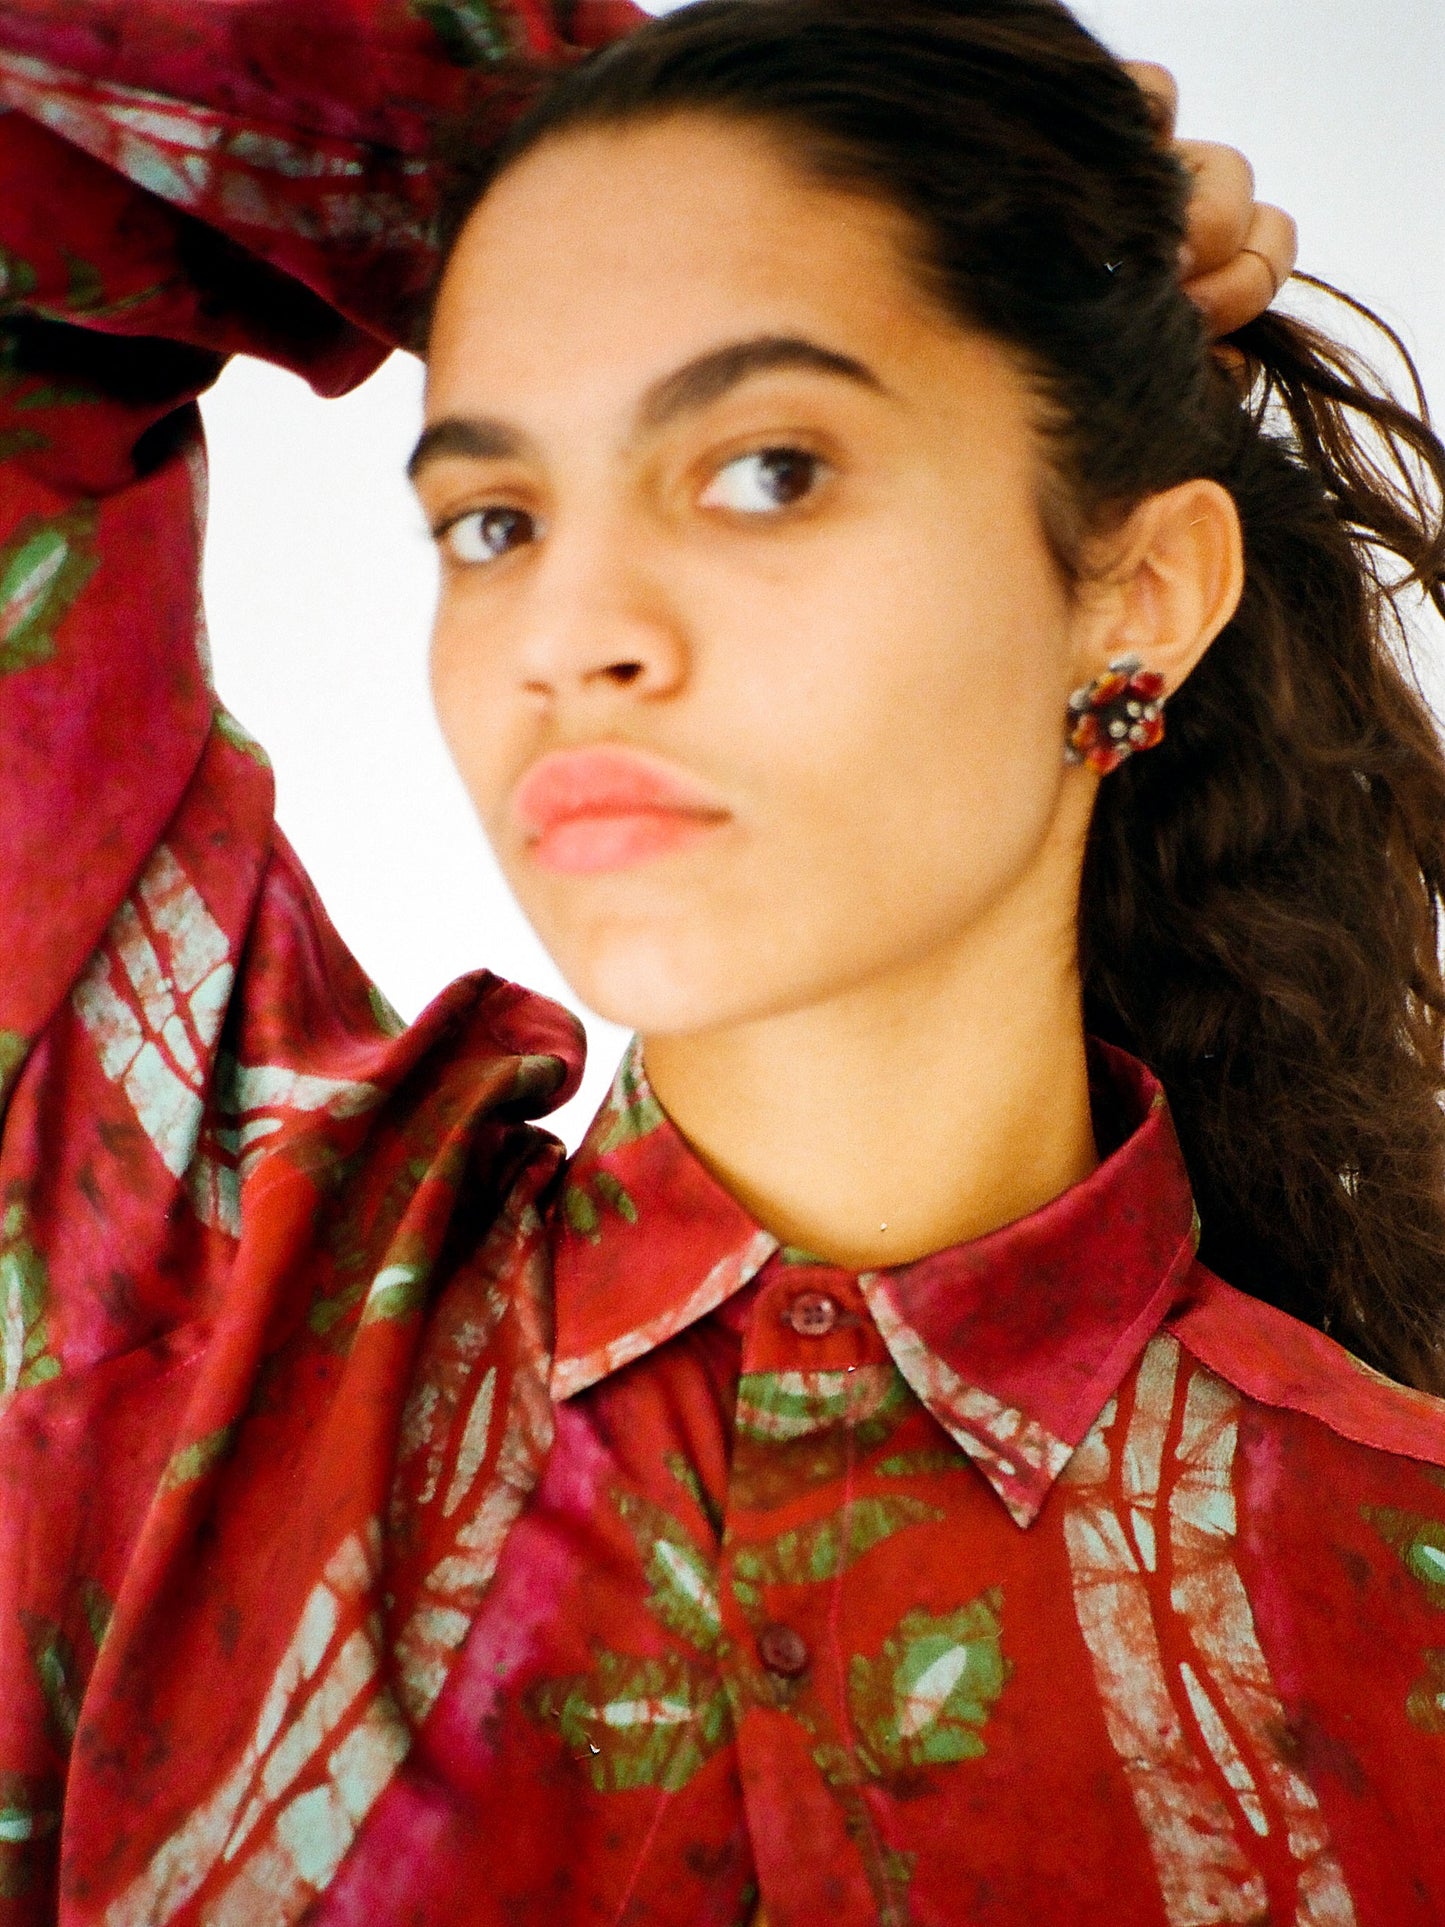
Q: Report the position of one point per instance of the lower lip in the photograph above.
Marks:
(588, 845)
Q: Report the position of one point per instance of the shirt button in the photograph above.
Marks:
(812, 1314)
(783, 1651)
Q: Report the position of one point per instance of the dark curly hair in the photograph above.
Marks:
(1260, 916)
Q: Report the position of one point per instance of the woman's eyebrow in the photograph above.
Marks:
(705, 379)
(710, 376)
(473, 438)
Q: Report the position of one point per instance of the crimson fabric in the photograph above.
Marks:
(993, 1588)
(398, 1525)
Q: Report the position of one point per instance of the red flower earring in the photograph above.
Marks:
(1115, 714)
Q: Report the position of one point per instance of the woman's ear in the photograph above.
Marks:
(1162, 584)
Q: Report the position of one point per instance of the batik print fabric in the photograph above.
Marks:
(1045, 1579)
(240, 1217)
(396, 1526)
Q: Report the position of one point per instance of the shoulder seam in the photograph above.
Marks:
(1295, 1368)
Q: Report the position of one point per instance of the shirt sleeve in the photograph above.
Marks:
(180, 181)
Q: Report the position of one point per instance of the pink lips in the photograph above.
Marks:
(584, 811)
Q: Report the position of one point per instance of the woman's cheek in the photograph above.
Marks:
(470, 712)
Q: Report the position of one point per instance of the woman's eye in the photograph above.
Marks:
(485, 534)
(764, 482)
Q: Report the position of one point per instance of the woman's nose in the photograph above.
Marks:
(598, 621)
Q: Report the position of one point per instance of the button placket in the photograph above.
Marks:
(810, 1333)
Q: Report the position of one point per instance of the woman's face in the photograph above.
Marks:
(720, 490)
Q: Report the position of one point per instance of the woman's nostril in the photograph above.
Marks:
(624, 672)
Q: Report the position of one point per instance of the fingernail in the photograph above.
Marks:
(1186, 261)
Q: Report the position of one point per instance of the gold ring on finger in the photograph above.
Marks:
(1275, 283)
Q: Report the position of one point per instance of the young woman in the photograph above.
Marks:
(885, 643)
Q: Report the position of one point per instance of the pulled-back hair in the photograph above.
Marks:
(1260, 916)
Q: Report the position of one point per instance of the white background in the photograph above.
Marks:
(319, 579)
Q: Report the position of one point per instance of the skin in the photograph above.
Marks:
(859, 995)
(1239, 252)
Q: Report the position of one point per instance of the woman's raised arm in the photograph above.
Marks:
(179, 182)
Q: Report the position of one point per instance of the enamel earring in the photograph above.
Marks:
(1114, 715)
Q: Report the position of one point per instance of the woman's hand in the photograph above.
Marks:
(1239, 252)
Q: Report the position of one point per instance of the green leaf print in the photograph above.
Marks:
(777, 1407)
(396, 1291)
(85, 290)
(17, 279)
(188, 1463)
(930, 1690)
(1420, 1543)
(888, 1871)
(389, 1020)
(820, 1551)
(925, 1464)
(329, 1312)
(470, 31)
(25, 1355)
(14, 1048)
(29, 1815)
(582, 1211)
(53, 1658)
(608, 1187)
(84, 287)
(638, 1722)
(43, 568)
(635, 1111)
(536, 1078)
(686, 1475)
(239, 737)
(1425, 1704)
(20, 441)
(681, 1577)
(52, 394)
(61, 1671)
(747, 1914)
(25, 390)
(799, 1430)
(97, 1605)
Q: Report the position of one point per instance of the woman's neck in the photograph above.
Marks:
(902, 1116)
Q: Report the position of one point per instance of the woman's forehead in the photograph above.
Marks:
(687, 209)
(635, 250)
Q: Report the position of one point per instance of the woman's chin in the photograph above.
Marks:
(651, 1003)
(651, 988)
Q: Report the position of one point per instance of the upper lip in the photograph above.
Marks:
(606, 780)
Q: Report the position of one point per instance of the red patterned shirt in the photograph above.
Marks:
(398, 1526)
(990, 1588)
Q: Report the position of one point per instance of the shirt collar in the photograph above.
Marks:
(1015, 1342)
(645, 1240)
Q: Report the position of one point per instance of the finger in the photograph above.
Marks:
(1221, 206)
(1244, 287)
(1234, 294)
(1161, 90)
(1274, 236)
